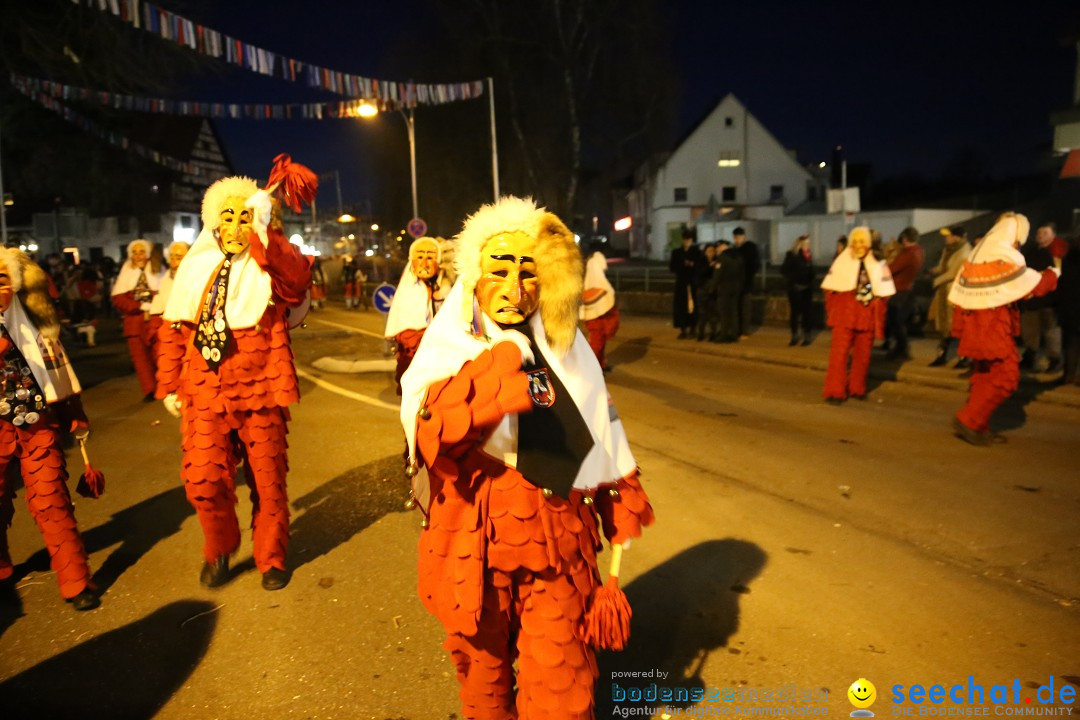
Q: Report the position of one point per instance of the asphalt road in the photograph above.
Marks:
(797, 544)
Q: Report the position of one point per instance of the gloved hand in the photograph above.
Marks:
(262, 208)
(80, 429)
(145, 307)
(172, 404)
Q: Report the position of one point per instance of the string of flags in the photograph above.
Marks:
(193, 108)
(109, 136)
(207, 41)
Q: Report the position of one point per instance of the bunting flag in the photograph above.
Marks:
(206, 41)
(113, 138)
(194, 108)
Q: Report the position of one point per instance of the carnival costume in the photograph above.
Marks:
(419, 295)
(856, 288)
(176, 253)
(598, 306)
(986, 319)
(226, 362)
(132, 295)
(519, 457)
(39, 401)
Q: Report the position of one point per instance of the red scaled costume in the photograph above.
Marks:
(598, 306)
(419, 295)
(508, 558)
(987, 321)
(39, 400)
(229, 364)
(132, 294)
(856, 288)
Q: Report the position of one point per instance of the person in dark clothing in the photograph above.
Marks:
(727, 284)
(798, 272)
(1039, 328)
(683, 263)
(905, 267)
(751, 262)
(705, 293)
(1068, 310)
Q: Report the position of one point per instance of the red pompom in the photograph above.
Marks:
(294, 183)
(607, 621)
(91, 483)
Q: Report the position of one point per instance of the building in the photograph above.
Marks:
(729, 162)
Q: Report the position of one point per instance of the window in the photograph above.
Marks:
(728, 158)
(728, 193)
(729, 121)
(776, 193)
(680, 194)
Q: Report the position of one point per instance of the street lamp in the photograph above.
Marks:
(368, 110)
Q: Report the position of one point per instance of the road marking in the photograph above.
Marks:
(350, 328)
(345, 393)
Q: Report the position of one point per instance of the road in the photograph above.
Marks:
(796, 544)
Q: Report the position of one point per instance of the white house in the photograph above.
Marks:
(729, 157)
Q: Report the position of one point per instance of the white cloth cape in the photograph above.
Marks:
(247, 296)
(128, 278)
(45, 356)
(161, 299)
(596, 279)
(411, 307)
(976, 289)
(843, 274)
(449, 343)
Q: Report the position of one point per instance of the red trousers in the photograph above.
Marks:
(992, 382)
(213, 444)
(37, 449)
(144, 356)
(601, 330)
(533, 618)
(839, 382)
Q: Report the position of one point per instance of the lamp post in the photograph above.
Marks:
(3, 205)
(367, 110)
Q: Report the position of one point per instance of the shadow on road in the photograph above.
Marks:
(130, 672)
(340, 508)
(1012, 413)
(137, 529)
(629, 351)
(684, 610)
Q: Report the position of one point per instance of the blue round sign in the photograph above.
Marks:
(382, 297)
(417, 227)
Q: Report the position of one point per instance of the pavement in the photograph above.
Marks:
(769, 344)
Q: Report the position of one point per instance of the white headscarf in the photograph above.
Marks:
(995, 273)
(597, 286)
(46, 357)
(843, 274)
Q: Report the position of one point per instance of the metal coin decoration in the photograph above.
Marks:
(213, 336)
(22, 401)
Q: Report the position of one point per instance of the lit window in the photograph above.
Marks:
(728, 158)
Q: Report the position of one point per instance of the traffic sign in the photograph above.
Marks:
(383, 297)
(417, 227)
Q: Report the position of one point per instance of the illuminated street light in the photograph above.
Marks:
(374, 227)
(367, 109)
(821, 165)
(346, 218)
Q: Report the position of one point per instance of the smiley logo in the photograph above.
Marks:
(862, 694)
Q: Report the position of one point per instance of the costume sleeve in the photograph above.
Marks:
(461, 411)
(958, 317)
(623, 508)
(1047, 284)
(172, 343)
(126, 303)
(70, 413)
(830, 307)
(880, 308)
(289, 270)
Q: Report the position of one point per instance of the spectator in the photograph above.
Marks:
(727, 279)
(798, 272)
(952, 259)
(1039, 328)
(751, 260)
(1068, 307)
(683, 263)
(705, 293)
(904, 268)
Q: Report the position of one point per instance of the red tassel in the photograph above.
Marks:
(294, 182)
(607, 622)
(92, 481)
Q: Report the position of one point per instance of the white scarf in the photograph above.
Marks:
(995, 274)
(247, 296)
(411, 307)
(449, 343)
(843, 275)
(129, 278)
(597, 285)
(45, 356)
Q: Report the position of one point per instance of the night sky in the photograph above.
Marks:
(906, 87)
